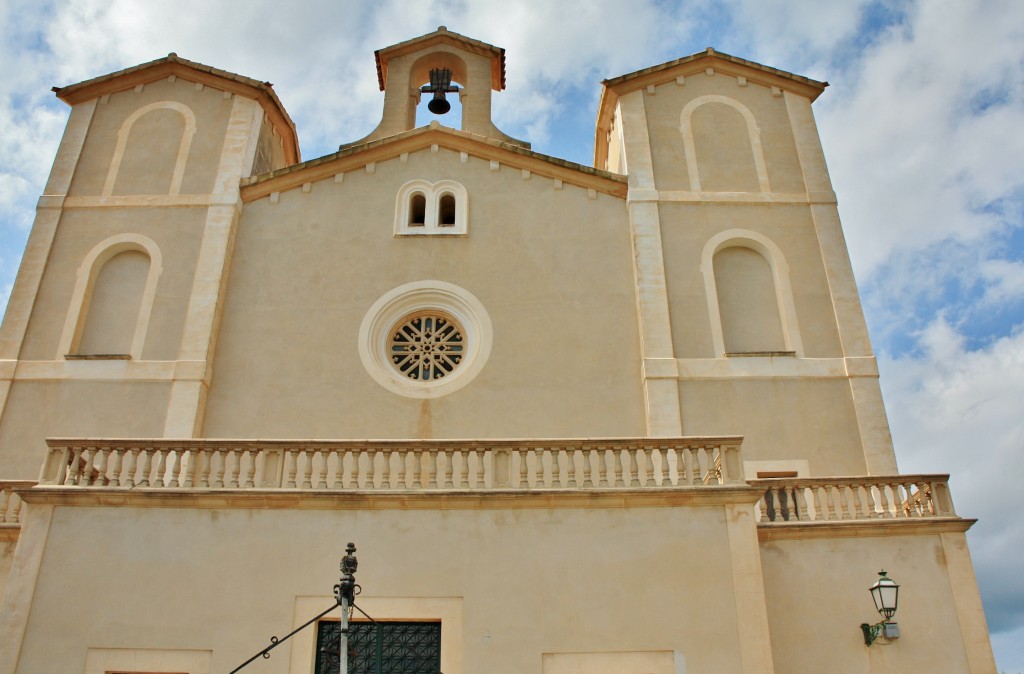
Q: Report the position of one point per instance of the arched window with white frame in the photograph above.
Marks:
(112, 300)
(750, 300)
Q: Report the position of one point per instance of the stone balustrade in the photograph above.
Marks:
(10, 502)
(395, 464)
(854, 498)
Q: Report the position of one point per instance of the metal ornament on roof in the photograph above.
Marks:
(440, 84)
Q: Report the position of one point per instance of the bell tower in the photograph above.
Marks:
(407, 70)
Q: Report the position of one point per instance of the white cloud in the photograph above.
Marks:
(920, 128)
(959, 411)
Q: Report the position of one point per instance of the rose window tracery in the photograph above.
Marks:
(426, 347)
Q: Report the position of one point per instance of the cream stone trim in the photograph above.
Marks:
(432, 193)
(614, 662)
(86, 279)
(396, 304)
(148, 200)
(21, 583)
(776, 367)
(746, 197)
(748, 588)
(40, 241)
(446, 609)
(686, 128)
(970, 613)
(106, 660)
(661, 396)
(183, 148)
(103, 370)
(801, 467)
(761, 244)
(778, 531)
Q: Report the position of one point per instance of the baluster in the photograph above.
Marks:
(914, 499)
(291, 467)
(771, 499)
(15, 504)
(860, 508)
(306, 457)
(370, 478)
(339, 469)
(402, 458)
(218, 464)
(204, 464)
(461, 475)
(616, 461)
(75, 467)
(319, 457)
(188, 464)
(432, 469)
(587, 456)
(540, 480)
(800, 502)
(385, 468)
(602, 466)
(160, 469)
(145, 467)
(420, 466)
(88, 476)
(449, 463)
(102, 465)
(131, 461)
(171, 474)
(479, 456)
(522, 456)
(248, 477)
(6, 496)
(351, 459)
(634, 466)
(570, 466)
(648, 454)
(888, 509)
(556, 466)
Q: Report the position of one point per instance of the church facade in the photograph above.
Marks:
(623, 418)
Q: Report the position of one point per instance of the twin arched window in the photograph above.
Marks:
(426, 208)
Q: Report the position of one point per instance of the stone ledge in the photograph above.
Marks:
(770, 531)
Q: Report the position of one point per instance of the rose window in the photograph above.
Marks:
(426, 347)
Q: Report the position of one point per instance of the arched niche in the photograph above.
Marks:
(757, 295)
(160, 152)
(108, 281)
(753, 133)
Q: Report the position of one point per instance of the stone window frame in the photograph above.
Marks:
(184, 145)
(433, 194)
(744, 238)
(405, 302)
(88, 272)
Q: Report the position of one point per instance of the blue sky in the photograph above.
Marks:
(921, 127)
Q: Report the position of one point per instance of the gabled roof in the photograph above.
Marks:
(443, 36)
(358, 156)
(172, 64)
(688, 65)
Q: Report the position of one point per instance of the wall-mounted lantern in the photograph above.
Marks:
(885, 592)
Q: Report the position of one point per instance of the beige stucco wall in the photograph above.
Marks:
(779, 419)
(176, 231)
(551, 266)
(37, 410)
(211, 109)
(687, 229)
(664, 110)
(569, 580)
(817, 590)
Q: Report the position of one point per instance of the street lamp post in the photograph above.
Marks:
(344, 592)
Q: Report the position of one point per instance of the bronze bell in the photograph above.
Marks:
(439, 104)
(440, 84)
